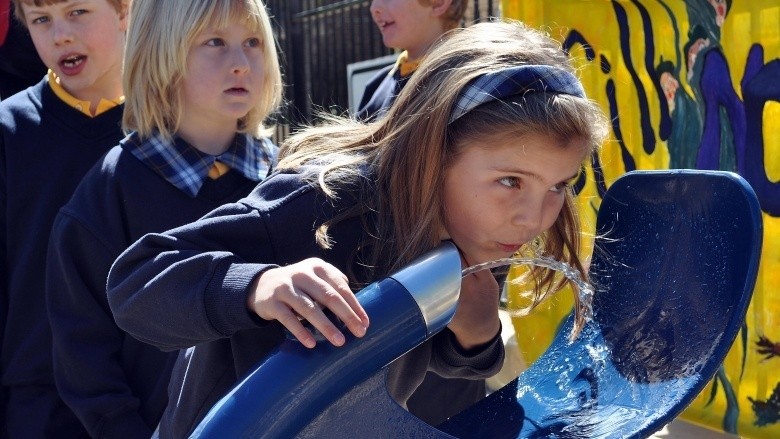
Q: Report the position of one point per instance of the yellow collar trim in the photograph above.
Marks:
(83, 106)
(406, 66)
(218, 170)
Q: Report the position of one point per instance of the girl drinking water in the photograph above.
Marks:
(479, 149)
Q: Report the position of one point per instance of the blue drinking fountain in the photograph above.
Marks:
(676, 259)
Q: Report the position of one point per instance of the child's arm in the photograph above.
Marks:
(476, 320)
(170, 291)
(193, 283)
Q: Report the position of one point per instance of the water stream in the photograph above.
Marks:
(584, 289)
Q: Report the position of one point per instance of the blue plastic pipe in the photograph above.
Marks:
(295, 384)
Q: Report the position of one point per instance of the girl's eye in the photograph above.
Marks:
(252, 42)
(78, 12)
(560, 187)
(512, 182)
(215, 42)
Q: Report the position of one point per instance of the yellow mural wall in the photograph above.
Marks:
(655, 66)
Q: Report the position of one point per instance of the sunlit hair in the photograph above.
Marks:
(455, 12)
(160, 35)
(411, 148)
(119, 5)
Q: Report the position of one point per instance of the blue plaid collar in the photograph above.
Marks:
(187, 168)
(512, 81)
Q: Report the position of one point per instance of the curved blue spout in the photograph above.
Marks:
(295, 384)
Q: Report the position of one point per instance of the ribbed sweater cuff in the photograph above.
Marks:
(226, 296)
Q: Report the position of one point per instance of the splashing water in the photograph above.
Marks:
(584, 289)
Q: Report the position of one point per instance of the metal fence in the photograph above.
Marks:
(317, 40)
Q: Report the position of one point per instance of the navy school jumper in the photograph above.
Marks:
(116, 384)
(46, 147)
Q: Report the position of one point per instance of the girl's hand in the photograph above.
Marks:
(300, 291)
(476, 319)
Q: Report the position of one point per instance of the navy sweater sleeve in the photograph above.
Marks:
(83, 329)
(189, 285)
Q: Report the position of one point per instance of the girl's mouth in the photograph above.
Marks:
(509, 248)
(236, 91)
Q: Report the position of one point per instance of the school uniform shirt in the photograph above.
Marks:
(116, 384)
(188, 287)
(46, 147)
(382, 89)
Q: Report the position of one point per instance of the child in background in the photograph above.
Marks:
(195, 107)
(50, 135)
(507, 128)
(413, 26)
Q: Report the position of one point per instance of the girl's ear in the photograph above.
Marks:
(440, 7)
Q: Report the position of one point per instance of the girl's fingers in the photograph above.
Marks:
(307, 290)
(337, 290)
(321, 323)
(330, 291)
(290, 321)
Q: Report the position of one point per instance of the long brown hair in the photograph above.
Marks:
(412, 146)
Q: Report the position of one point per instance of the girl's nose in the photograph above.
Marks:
(530, 216)
(240, 63)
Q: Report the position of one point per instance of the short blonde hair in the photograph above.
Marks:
(119, 5)
(160, 35)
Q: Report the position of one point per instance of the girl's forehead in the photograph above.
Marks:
(236, 12)
(520, 142)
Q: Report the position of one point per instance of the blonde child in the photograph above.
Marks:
(200, 76)
(479, 149)
(50, 135)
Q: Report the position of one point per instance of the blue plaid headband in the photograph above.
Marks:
(513, 81)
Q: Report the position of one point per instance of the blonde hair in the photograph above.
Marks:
(119, 5)
(411, 148)
(160, 35)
